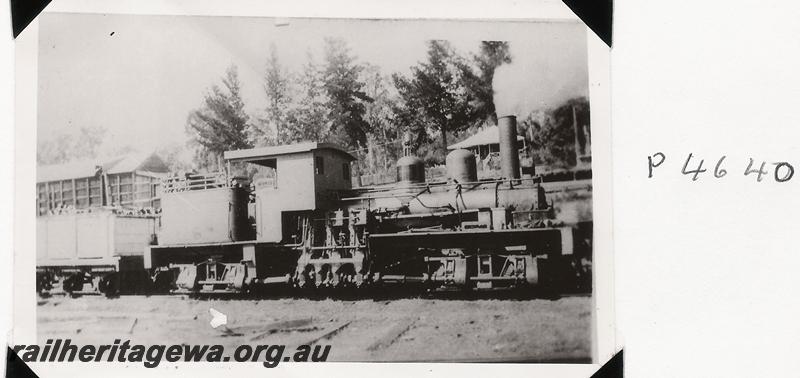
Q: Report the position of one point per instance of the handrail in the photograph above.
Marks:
(194, 182)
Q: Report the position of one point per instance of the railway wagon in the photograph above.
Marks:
(94, 219)
(94, 251)
(300, 224)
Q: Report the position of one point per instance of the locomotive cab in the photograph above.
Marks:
(300, 179)
(294, 208)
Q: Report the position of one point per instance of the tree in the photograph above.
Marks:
(172, 153)
(436, 96)
(553, 133)
(346, 97)
(383, 146)
(65, 147)
(308, 117)
(277, 91)
(221, 123)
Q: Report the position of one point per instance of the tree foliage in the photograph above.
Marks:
(339, 99)
(307, 119)
(277, 91)
(383, 147)
(552, 133)
(172, 153)
(436, 97)
(347, 101)
(67, 146)
(221, 123)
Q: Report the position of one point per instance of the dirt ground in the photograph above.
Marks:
(362, 330)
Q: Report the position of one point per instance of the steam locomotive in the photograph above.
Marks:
(302, 225)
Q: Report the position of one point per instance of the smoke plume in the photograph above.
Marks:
(535, 81)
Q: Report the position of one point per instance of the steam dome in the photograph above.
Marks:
(461, 166)
(410, 170)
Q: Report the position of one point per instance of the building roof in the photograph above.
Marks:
(254, 155)
(91, 167)
(137, 162)
(65, 171)
(489, 135)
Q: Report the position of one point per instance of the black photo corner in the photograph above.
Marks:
(613, 368)
(16, 368)
(23, 12)
(596, 14)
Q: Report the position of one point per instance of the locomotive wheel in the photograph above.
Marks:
(72, 284)
(163, 282)
(44, 283)
(109, 285)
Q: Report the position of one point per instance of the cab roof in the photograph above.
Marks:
(260, 154)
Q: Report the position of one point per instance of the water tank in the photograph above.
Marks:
(410, 169)
(461, 166)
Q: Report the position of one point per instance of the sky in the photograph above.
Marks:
(139, 76)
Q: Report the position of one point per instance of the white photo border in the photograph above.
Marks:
(605, 333)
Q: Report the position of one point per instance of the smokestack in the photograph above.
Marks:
(509, 154)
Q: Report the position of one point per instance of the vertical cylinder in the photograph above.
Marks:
(238, 223)
(461, 166)
(509, 155)
(410, 170)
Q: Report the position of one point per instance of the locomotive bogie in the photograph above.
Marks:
(212, 276)
(220, 267)
(330, 270)
(126, 275)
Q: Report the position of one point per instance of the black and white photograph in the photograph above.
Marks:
(372, 190)
(425, 188)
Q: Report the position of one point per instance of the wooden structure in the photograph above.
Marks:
(126, 181)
